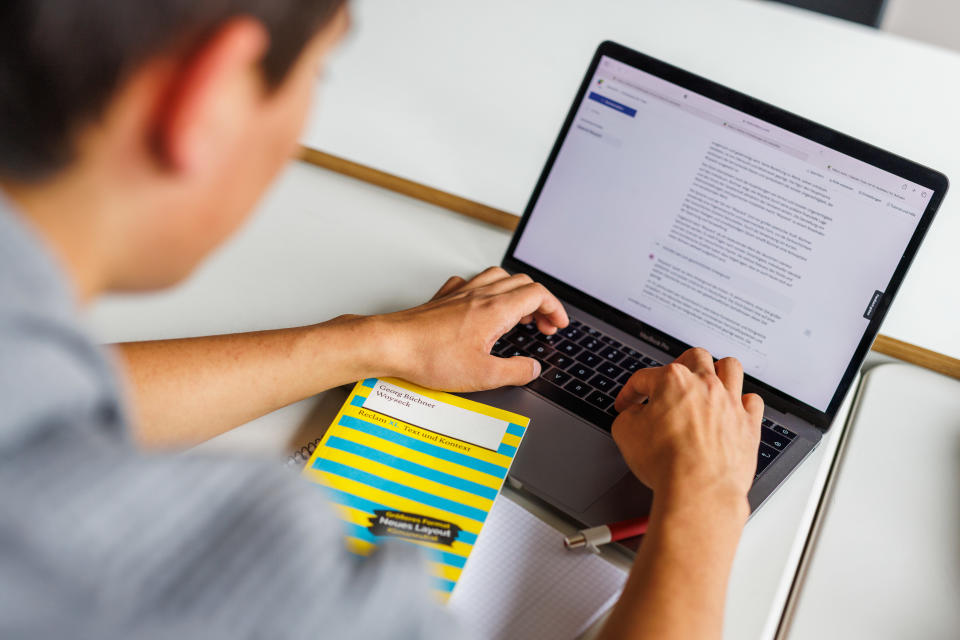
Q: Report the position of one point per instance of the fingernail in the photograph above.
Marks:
(537, 368)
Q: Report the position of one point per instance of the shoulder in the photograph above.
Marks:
(51, 376)
(51, 372)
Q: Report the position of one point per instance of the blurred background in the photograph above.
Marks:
(933, 21)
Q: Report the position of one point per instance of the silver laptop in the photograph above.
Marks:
(674, 212)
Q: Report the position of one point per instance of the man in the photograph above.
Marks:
(134, 137)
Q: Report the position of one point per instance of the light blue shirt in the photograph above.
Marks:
(99, 540)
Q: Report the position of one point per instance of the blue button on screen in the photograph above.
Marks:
(613, 104)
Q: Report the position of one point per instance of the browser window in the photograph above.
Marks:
(720, 229)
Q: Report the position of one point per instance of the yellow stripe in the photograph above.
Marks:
(424, 459)
(510, 439)
(463, 403)
(360, 547)
(396, 502)
(407, 479)
(418, 433)
(441, 570)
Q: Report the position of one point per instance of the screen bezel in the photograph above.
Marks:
(933, 180)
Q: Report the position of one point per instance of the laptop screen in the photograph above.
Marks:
(720, 229)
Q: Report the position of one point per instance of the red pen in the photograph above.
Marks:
(606, 533)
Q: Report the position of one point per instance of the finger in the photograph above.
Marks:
(754, 406)
(534, 299)
(545, 325)
(485, 278)
(509, 283)
(526, 319)
(697, 360)
(730, 372)
(451, 285)
(516, 371)
(637, 389)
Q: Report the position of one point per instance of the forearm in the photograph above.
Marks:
(678, 583)
(187, 391)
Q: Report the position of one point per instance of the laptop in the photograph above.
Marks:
(674, 212)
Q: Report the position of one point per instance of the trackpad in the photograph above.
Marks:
(562, 459)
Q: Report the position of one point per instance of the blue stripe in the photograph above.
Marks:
(443, 585)
(507, 450)
(411, 467)
(355, 530)
(494, 470)
(397, 489)
(453, 559)
(370, 382)
(358, 401)
(369, 506)
(515, 430)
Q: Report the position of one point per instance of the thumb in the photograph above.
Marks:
(516, 371)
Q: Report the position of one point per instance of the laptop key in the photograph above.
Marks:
(610, 370)
(765, 456)
(560, 361)
(540, 351)
(600, 399)
(631, 365)
(602, 383)
(520, 339)
(571, 333)
(783, 431)
(581, 372)
(590, 343)
(551, 341)
(773, 439)
(589, 359)
(624, 377)
(556, 376)
(512, 351)
(577, 388)
(530, 327)
(568, 348)
(612, 354)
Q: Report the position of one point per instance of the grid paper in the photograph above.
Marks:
(520, 581)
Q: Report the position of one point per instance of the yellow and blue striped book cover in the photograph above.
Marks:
(405, 462)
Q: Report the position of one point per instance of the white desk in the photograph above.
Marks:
(469, 98)
(292, 266)
(885, 562)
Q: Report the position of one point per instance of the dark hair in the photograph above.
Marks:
(61, 61)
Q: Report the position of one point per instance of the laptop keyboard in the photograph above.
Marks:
(584, 370)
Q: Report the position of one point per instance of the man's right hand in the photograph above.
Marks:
(694, 443)
(697, 432)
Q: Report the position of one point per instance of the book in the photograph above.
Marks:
(403, 462)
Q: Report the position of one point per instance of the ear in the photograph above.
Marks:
(211, 96)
